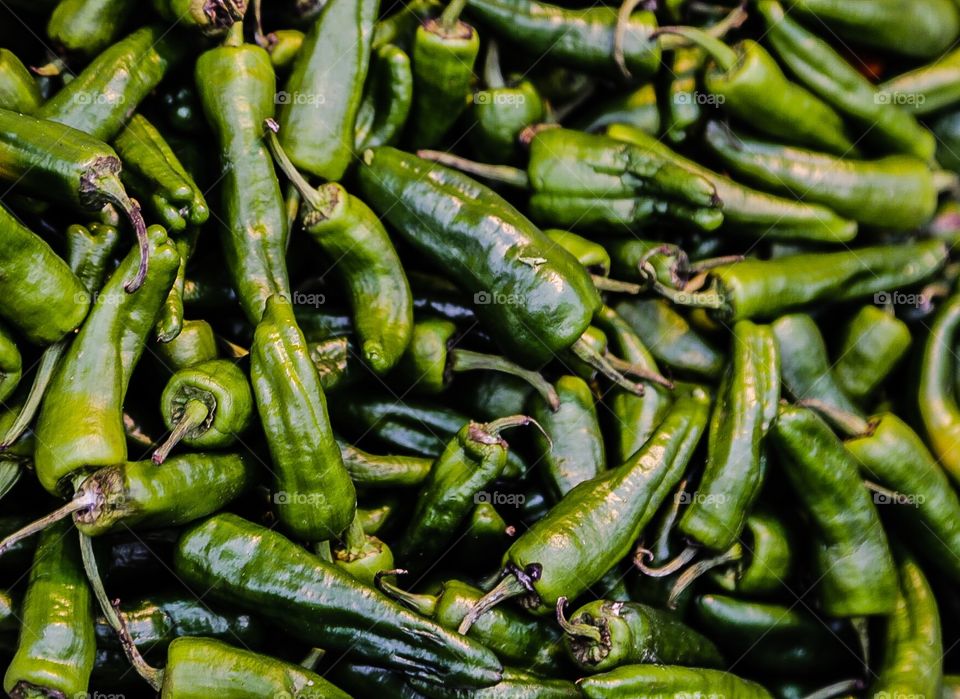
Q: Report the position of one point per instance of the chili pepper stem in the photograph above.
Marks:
(837, 689)
(313, 658)
(690, 575)
(725, 56)
(422, 604)
(355, 538)
(668, 568)
(507, 588)
(848, 423)
(711, 263)
(944, 180)
(152, 675)
(513, 176)
(709, 299)
(48, 364)
(492, 73)
(607, 284)
(112, 191)
(195, 413)
(322, 551)
(78, 504)
(314, 198)
(234, 36)
(623, 19)
(451, 15)
(467, 360)
(639, 372)
(590, 356)
(584, 630)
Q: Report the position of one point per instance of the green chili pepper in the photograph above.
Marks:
(17, 451)
(828, 75)
(490, 395)
(318, 603)
(366, 680)
(592, 39)
(912, 639)
(602, 635)
(772, 638)
(210, 17)
(444, 52)
(205, 406)
(637, 109)
(19, 92)
(768, 561)
(853, 560)
(387, 99)
(936, 394)
(750, 211)
(55, 652)
(154, 171)
(88, 26)
(665, 681)
(203, 667)
(194, 344)
(318, 106)
(926, 89)
(362, 555)
(170, 321)
(745, 408)
(47, 159)
(11, 364)
(377, 516)
(354, 239)
(315, 496)
(514, 685)
(873, 343)
(468, 464)
(515, 637)
(804, 364)
(374, 471)
(897, 192)
(590, 254)
(500, 114)
(81, 420)
(558, 556)
(284, 46)
(236, 86)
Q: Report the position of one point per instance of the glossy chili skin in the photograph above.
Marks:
(383, 471)
(489, 249)
(88, 26)
(580, 38)
(770, 559)
(828, 75)
(936, 396)
(102, 97)
(56, 648)
(81, 420)
(19, 92)
(516, 684)
(259, 570)
(804, 364)
(589, 253)
(11, 364)
(872, 345)
(680, 109)
(637, 108)
(500, 113)
(895, 192)
(427, 365)
(852, 556)
(237, 87)
(767, 288)
(203, 667)
(913, 639)
(665, 681)
(927, 89)
(745, 408)
(921, 29)
(194, 344)
(387, 99)
(631, 632)
(210, 17)
(318, 106)
(751, 211)
(770, 637)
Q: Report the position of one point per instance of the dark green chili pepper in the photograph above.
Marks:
(205, 406)
(768, 561)
(387, 99)
(663, 681)
(500, 114)
(153, 171)
(637, 108)
(284, 46)
(855, 568)
(194, 344)
(11, 364)
(936, 394)
(748, 210)
(352, 237)
(593, 39)
(210, 17)
(746, 406)
(490, 395)
(898, 192)
(472, 460)
(922, 28)
(828, 75)
(873, 343)
(203, 667)
(44, 299)
(444, 52)
(602, 635)
(487, 534)
(681, 108)
(514, 685)
(81, 421)
(318, 106)
(804, 364)
(237, 85)
(378, 515)
(19, 92)
(374, 471)
(56, 649)
(367, 680)
(362, 555)
(259, 570)
(912, 639)
(47, 159)
(89, 26)
(926, 89)
(772, 638)
(558, 556)
(315, 497)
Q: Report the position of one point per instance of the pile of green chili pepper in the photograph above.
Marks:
(480, 349)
